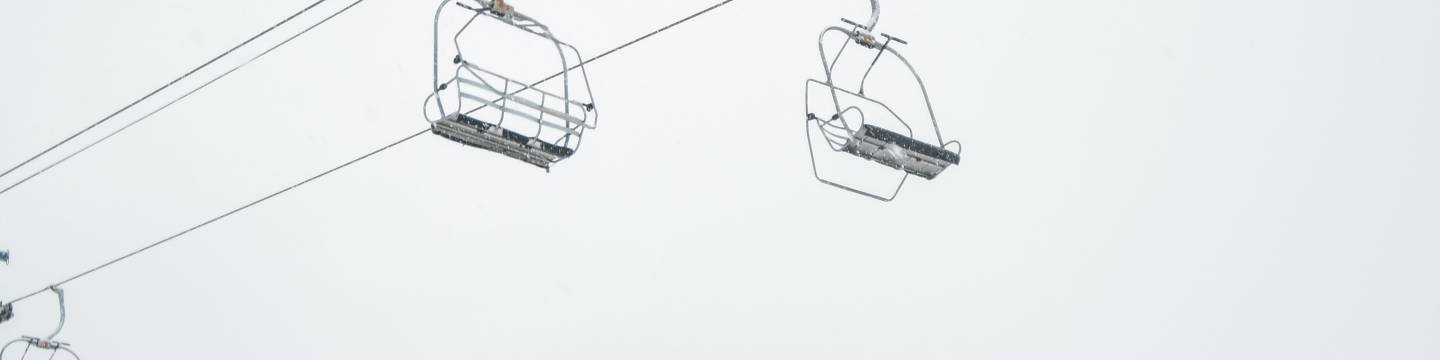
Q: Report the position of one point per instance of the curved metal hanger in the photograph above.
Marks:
(48, 343)
(874, 15)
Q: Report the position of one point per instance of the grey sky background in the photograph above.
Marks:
(1141, 180)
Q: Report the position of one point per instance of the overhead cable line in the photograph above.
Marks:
(639, 39)
(308, 180)
(222, 216)
(162, 88)
(172, 102)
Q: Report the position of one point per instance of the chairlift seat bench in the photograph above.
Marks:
(900, 152)
(473, 132)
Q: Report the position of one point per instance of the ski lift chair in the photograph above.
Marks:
(845, 130)
(46, 348)
(484, 109)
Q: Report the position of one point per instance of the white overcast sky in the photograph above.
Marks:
(1141, 180)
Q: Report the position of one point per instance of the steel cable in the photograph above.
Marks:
(308, 180)
(162, 88)
(168, 104)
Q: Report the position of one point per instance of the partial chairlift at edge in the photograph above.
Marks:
(483, 109)
(46, 348)
(846, 131)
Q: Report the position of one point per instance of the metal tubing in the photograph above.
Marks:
(589, 119)
(874, 15)
(923, 91)
(436, 58)
(61, 295)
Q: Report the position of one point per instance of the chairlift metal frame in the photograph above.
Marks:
(48, 343)
(843, 134)
(476, 89)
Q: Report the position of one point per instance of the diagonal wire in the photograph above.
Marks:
(177, 100)
(225, 215)
(405, 139)
(639, 39)
(162, 88)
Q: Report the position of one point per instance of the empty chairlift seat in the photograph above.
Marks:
(484, 109)
(845, 129)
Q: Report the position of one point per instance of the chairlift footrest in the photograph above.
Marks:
(476, 133)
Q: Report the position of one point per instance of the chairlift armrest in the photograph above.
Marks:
(468, 7)
(847, 21)
(896, 39)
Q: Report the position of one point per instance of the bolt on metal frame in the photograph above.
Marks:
(845, 130)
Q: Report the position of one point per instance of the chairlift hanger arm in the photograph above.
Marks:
(828, 64)
(59, 294)
(874, 17)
